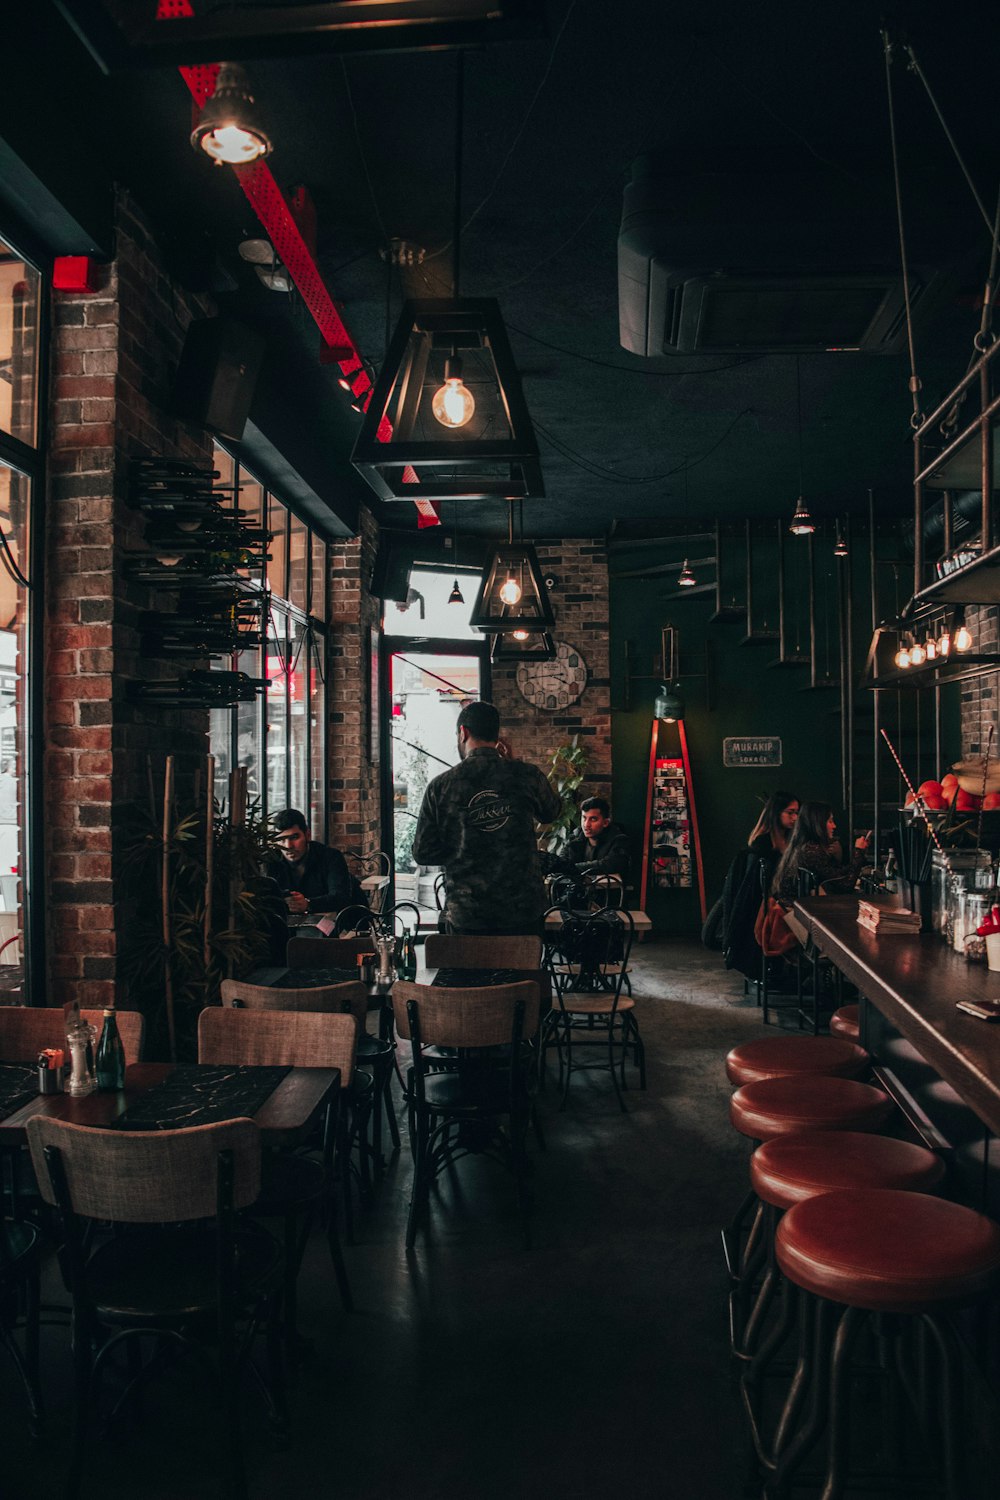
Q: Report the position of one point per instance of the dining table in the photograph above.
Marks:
(284, 1112)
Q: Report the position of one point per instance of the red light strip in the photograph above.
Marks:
(268, 203)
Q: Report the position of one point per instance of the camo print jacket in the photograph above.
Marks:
(478, 821)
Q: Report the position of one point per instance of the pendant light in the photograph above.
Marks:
(840, 545)
(229, 129)
(902, 657)
(802, 523)
(686, 578)
(917, 654)
(668, 705)
(512, 593)
(962, 638)
(418, 428)
(456, 596)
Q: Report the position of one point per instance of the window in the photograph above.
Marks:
(427, 611)
(280, 737)
(20, 479)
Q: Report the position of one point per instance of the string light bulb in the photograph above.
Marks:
(520, 635)
(510, 591)
(685, 578)
(963, 638)
(930, 648)
(902, 657)
(917, 655)
(229, 130)
(944, 642)
(453, 403)
(802, 523)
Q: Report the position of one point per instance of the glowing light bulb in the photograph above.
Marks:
(520, 635)
(944, 643)
(510, 592)
(902, 657)
(233, 145)
(453, 402)
(930, 647)
(917, 655)
(963, 638)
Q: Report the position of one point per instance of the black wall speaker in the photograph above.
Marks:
(217, 375)
(391, 573)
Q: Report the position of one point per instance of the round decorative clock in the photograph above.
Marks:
(554, 684)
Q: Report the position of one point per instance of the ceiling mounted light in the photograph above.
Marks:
(453, 402)
(668, 705)
(229, 130)
(456, 596)
(685, 578)
(802, 523)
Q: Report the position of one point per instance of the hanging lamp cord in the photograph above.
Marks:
(917, 416)
(456, 233)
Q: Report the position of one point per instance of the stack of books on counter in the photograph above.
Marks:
(880, 917)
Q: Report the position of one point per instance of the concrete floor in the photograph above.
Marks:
(596, 1363)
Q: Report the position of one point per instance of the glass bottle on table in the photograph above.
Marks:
(110, 1054)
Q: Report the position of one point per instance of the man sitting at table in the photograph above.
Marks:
(478, 821)
(311, 876)
(601, 846)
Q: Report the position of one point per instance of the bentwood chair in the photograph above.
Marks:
(588, 960)
(26, 1030)
(328, 952)
(358, 1089)
(154, 1250)
(463, 1111)
(294, 1187)
(444, 950)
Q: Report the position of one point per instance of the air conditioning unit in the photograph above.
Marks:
(741, 263)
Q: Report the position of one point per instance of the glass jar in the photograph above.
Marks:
(954, 931)
(975, 910)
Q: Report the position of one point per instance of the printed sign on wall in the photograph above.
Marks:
(752, 750)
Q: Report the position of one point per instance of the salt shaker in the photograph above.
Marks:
(82, 1079)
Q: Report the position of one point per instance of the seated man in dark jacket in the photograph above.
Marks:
(601, 846)
(311, 876)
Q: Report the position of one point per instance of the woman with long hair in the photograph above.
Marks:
(773, 828)
(811, 847)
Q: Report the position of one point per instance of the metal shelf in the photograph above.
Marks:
(977, 583)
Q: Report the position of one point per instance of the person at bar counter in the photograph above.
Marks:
(478, 821)
(601, 846)
(749, 876)
(813, 847)
(311, 876)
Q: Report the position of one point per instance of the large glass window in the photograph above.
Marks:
(280, 737)
(20, 298)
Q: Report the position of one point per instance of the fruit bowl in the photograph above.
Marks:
(970, 777)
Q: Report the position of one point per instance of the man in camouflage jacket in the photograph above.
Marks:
(478, 821)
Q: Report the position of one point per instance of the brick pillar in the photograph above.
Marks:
(113, 353)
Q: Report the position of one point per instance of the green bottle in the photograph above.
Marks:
(110, 1054)
(409, 963)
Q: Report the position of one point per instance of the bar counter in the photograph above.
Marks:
(914, 981)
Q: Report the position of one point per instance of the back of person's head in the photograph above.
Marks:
(769, 821)
(290, 817)
(596, 804)
(810, 828)
(481, 721)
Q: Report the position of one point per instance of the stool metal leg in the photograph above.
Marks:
(838, 1436)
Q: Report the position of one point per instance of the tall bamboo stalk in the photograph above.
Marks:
(168, 982)
(209, 859)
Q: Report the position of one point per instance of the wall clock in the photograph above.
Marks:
(554, 684)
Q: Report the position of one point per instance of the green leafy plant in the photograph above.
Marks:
(173, 960)
(566, 774)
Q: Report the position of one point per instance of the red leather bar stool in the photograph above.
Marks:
(780, 1106)
(780, 1056)
(846, 1022)
(787, 1170)
(904, 1256)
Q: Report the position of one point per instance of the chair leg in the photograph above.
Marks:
(82, 1362)
(611, 1065)
(337, 1258)
(420, 1172)
(838, 1434)
(386, 1071)
(950, 1405)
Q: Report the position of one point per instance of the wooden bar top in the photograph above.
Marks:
(915, 981)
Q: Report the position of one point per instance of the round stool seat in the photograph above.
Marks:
(888, 1251)
(846, 1022)
(778, 1056)
(806, 1101)
(789, 1168)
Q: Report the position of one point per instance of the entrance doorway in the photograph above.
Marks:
(427, 689)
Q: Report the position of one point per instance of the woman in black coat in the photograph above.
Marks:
(749, 879)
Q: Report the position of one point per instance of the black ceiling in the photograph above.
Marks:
(553, 127)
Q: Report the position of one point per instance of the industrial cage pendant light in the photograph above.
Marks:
(686, 578)
(425, 434)
(512, 594)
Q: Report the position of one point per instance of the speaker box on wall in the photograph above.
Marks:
(217, 375)
(393, 560)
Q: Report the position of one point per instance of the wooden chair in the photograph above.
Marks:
(457, 1112)
(442, 950)
(373, 872)
(328, 952)
(294, 1187)
(588, 960)
(25, 1030)
(362, 1091)
(203, 1284)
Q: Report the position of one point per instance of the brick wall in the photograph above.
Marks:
(113, 353)
(354, 809)
(980, 699)
(580, 603)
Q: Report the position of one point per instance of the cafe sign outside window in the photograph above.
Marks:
(752, 750)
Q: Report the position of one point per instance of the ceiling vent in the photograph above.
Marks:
(742, 263)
